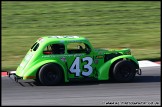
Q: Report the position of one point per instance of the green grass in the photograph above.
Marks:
(107, 24)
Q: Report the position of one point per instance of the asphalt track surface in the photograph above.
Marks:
(144, 90)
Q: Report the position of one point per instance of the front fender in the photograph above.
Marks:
(103, 73)
(31, 72)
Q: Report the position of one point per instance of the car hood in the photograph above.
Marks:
(125, 51)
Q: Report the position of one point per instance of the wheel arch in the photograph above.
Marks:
(60, 67)
(35, 70)
(116, 61)
(105, 70)
(65, 78)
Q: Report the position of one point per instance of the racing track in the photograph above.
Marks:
(144, 90)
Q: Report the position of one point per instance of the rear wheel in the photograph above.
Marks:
(124, 71)
(50, 74)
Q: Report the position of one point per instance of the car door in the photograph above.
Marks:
(80, 61)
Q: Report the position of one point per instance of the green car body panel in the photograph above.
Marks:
(92, 63)
(103, 71)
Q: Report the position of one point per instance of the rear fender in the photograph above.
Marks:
(31, 72)
(103, 73)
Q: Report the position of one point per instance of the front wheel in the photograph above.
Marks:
(50, 74)
(124, 71)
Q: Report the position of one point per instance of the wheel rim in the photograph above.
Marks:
(124, 72)
(51, 76)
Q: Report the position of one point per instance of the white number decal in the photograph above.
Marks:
(75, 66)
(88, 66)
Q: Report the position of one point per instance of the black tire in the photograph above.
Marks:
(50, 74)
(37, 78)
(124, 71)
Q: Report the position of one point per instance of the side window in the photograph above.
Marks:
(47, 50)
(54, 49)
(73, 48)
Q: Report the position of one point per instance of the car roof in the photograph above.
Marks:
(62, 38)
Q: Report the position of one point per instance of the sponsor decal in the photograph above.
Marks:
(63, 59)
(75, 55)
(41, 40)
(60, 37)
(96, 61)
(99, 57)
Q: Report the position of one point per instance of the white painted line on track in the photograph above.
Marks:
(12, 71)
(147, 63)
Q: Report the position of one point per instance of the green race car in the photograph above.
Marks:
(55, 59)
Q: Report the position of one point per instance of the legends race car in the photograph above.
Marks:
(55, 59)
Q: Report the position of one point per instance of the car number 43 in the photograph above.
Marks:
(76, 69)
